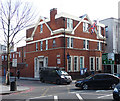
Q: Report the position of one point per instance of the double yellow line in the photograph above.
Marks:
(44, 93)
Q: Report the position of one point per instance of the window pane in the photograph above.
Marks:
(72, 42)
(68, 42)
(69, 64)
(83, 43)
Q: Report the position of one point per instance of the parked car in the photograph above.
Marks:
(116, 92)
(117, 74)
(55, 75)
(102, 80)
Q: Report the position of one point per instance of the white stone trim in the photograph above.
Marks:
(61, 35)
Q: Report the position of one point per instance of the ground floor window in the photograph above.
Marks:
(75, 63)
(97, 63)
(70, 64)
(92, 63)
(81, 61)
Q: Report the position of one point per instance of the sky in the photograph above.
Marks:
(96, 9)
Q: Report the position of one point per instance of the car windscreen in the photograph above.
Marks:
(62, 73)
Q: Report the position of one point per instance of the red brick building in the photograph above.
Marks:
(45, 44)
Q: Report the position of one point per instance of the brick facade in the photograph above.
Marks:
(49, 34)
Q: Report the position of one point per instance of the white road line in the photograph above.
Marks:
(41, 97)
(79, 97)
(55, 98)
(104, 96)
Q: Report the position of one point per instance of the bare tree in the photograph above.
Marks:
(14, 17)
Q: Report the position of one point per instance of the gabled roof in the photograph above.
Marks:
(80, 19)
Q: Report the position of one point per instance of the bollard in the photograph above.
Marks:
(13, 86)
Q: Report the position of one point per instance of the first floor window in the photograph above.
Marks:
(41, 45)
(36, 46)
(81, 62)
(92, 63)
(69, 64)
(46, 44)
(87, 44)
(71, 42)
(68, 42)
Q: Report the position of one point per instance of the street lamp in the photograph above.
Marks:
(64, 41)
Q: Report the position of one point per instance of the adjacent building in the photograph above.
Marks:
(112, 43)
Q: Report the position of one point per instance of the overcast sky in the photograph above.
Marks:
(96, 9)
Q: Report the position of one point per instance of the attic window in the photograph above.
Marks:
(85, 27)
(41, 28)
(69, 23)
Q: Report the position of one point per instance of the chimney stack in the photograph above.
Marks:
(53, 12)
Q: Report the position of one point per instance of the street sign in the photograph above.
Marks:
(14, 63)
(108, 58)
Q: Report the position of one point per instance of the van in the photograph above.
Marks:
(54, 75)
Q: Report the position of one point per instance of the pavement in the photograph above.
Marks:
(5, 89)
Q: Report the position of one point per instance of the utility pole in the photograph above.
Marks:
(64, 42)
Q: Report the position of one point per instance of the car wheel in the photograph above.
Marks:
(58, 82)
(113, 86)
(85, 86)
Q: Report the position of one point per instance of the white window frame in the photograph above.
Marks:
(46, 62)
(41, 28)
(85, 27)
(71, 69)
(19, 54)
(93, 63)
(99, 29)
(87, 44)
(54, 43)
(41, 45)
(36, 46)
(70, 43)
(46, 44)
(74, 63)
(69, 23)
(99, 68)
(82, 61)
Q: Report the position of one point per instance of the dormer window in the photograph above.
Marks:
(41, 28)
(98, 29)
(69, 23)
(85, 27)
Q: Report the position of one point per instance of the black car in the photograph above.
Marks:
(55, 75)
(102, 80)
(116, 92)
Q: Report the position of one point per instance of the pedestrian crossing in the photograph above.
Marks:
(72, 96)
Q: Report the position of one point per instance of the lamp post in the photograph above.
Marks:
(64, 42)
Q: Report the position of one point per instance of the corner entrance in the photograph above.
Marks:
(39, 63)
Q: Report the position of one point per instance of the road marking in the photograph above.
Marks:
(79, 97)
(55, 98)
(104, 96)
(45, 92)
(41, 97)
